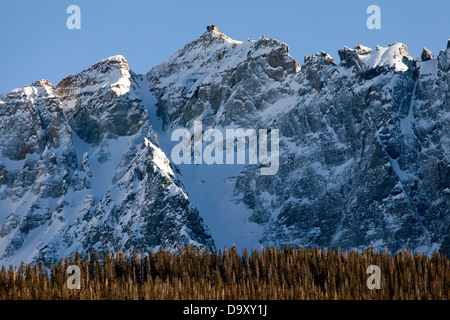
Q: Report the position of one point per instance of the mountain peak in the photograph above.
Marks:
(114, 59)
(42, 83)
(213, 53)
(117, 61)
(110, 73)
(214, 36)
(394, 56)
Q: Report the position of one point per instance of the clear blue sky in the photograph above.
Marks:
(35, 42)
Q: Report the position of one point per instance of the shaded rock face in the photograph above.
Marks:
(36, 155)
(144, 209)
(426, 54)
(443, 60)
(77, 176)
(96, 106)
(36, 146)
(350, 58)
(364, 156)
(39, 114)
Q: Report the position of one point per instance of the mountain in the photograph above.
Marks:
(364, 144)
(364, 153)
(79, 174)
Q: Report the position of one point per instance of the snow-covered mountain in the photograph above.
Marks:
(364, 153)
(79, 174)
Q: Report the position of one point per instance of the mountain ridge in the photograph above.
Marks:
(364, 153)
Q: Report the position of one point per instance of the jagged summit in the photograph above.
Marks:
(117, 58)
(213, 53)
(212, 35)
(109, 77)
(113, 62)
(322, 57)
(42, 83)
(368, 63)
(109, 68)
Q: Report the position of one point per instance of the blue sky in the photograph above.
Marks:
(35, 42)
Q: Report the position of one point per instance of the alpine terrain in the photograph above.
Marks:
(364, 153)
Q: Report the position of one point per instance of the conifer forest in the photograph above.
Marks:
(271, 273)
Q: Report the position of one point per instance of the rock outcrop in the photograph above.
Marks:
(426, 54)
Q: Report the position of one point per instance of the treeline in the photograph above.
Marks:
(270, 273)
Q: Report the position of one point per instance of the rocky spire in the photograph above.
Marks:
(212, 27)
(426, 54)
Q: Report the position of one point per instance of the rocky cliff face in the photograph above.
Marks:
(364, 157)
(364, 153)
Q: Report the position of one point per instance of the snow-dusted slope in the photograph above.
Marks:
(391, 57)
